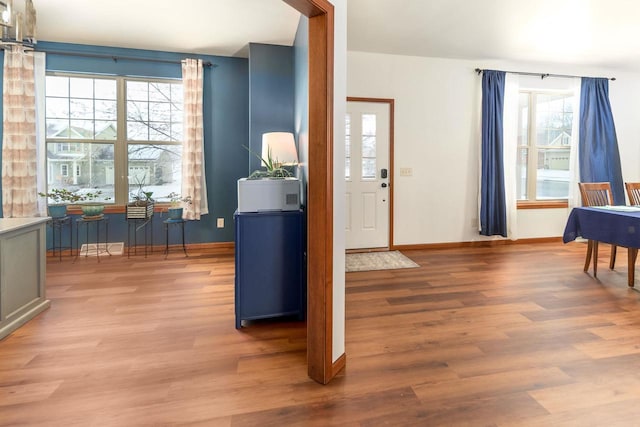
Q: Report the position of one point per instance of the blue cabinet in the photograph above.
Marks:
(270, 259)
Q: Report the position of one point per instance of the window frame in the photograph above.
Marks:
(121, 142)
(532, 154)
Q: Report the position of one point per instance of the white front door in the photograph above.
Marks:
(367, 174)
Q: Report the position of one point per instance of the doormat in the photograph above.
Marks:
(91, 249)
(378, 261)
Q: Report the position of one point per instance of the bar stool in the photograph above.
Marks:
(167, 223)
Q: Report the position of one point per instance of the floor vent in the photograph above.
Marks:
(101, 249)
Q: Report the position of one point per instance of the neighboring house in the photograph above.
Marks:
(557, 156)
(74, 163)
(69, 163)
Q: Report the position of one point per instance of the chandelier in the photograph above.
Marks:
(18, 25)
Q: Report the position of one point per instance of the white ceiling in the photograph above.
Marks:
(603, 33)
(216, 27)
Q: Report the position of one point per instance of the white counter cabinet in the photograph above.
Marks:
(22, 271)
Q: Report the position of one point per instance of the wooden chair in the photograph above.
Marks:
(633, 191)
(596, 194)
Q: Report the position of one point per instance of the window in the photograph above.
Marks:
(115, 133)
(544, 142)
(347, 147)
(369, 146)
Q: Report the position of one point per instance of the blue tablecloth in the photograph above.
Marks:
(621, 228)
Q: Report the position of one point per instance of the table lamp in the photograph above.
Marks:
(281, 147)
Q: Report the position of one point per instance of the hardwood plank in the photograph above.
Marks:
(475, 336)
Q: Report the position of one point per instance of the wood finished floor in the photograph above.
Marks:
(511, 335)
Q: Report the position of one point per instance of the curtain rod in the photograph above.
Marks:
(115, 58)
(542, 75)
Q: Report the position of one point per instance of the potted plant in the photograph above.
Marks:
(62, 197)
(141, 206)
(273, 169)
(89, 207)
(176, 209)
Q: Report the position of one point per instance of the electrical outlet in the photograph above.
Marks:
(220, 222)
(406, 171)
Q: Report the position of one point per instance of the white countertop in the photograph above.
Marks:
(12, 224)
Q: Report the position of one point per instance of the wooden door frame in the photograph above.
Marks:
(391, 103)
(320, 366)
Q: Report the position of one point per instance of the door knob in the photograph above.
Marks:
(383, 185)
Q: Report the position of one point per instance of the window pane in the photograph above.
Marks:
(105, 89)
(105, 130)
(137, 111)
(176, 131)
(81, 108)
(81, 88)
(159, 131)
(369, 168)
(106, 110)
(57, 128)
(177, 94)
(74, 100)
(552, 180)
(347, 146)
(57, 86)
(137, 91)
(553, 132)
(81, 129)
(554, 118)
(159, 92)
(137, 131)
(521, 174)
(160, 111)
(369, 146)
(368, 124)
(368, 149)
(87, 109)
(523, 119)
(157, 167)
(57, 108)
(157, 106)
(92, 164)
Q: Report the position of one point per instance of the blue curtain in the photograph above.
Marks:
(493, 209)
(598, 155)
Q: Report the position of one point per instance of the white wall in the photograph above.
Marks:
(340, 95)
(436, 134)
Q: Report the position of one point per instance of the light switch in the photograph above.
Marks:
(220, 222)
(406, 172)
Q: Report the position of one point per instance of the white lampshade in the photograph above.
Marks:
(282, 147)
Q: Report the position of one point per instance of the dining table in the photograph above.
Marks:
(616, 225)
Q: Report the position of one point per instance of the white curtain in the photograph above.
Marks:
(41, 145)
(193, 172)
(510, 153)
(19, 161)
(574, 167)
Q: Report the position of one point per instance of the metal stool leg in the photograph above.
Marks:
(184, 248)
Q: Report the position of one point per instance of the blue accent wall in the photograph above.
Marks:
(226, 125)
(301, 100)
(270, 94)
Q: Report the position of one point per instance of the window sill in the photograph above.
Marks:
(539, 204)
(116, 209)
